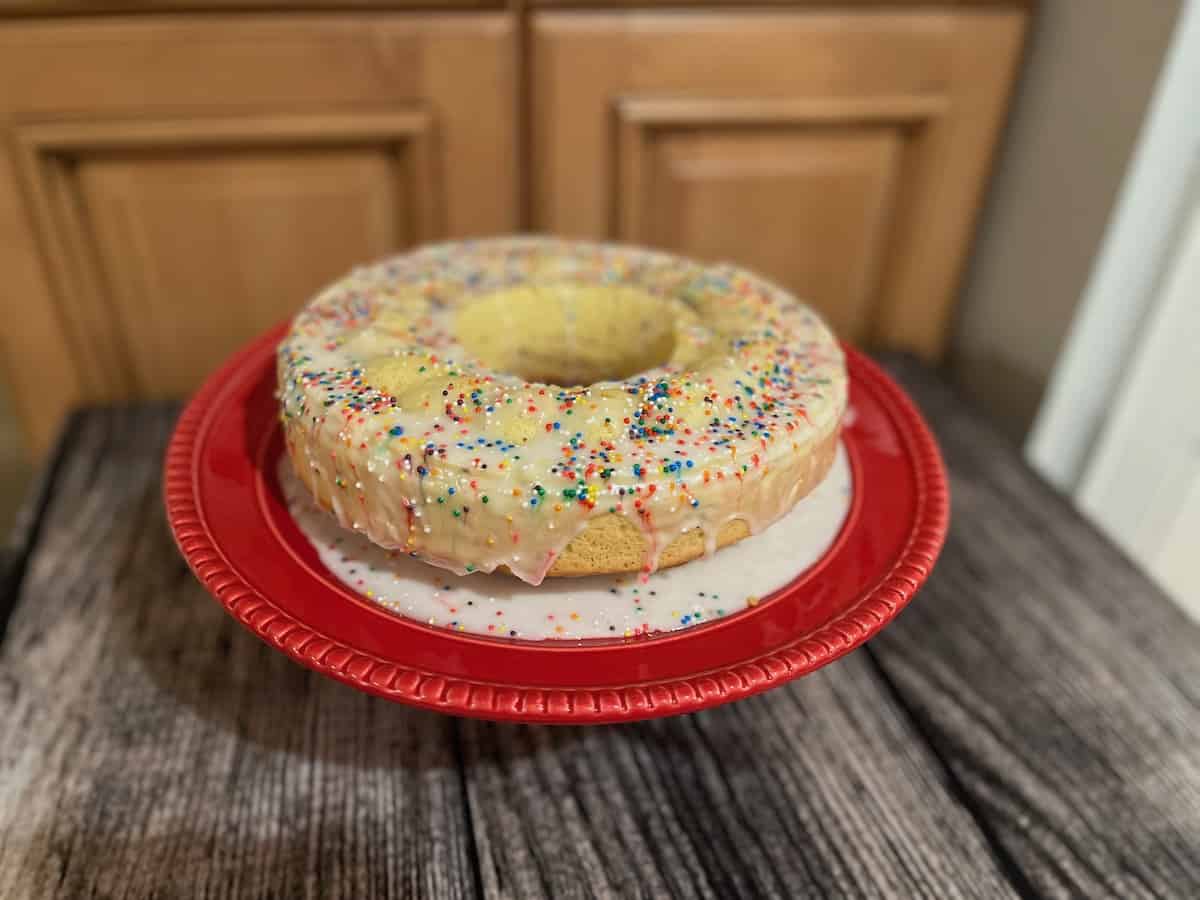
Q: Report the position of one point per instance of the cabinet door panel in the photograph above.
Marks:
(842, 154)
(820, 206)
(191, 181)
(197, 250)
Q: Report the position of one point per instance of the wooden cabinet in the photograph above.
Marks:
(176, 185)
(171, 184)
(842, 154)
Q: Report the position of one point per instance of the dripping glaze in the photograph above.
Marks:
(419, 403)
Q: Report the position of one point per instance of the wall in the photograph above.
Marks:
(1089, 73)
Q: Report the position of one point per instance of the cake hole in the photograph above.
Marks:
(569, 334)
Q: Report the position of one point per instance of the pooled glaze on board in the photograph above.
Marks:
(406, 435)
(596, 606)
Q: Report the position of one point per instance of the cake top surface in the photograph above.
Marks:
(569, 374)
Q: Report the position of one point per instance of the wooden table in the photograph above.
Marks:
(1028, 727)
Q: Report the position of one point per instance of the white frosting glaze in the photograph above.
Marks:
(595, 606)
(406, 436)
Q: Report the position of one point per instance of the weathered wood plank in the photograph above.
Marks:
(149, 747)
(149, 743)
(1060, 686)
(22, 536)
(817, 789)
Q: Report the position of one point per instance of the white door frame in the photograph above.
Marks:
(1142, 481)
(1128, 268)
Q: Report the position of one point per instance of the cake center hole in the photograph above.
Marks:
(568, 334)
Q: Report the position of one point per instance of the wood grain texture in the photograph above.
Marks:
(152, 748)
(177, 240)
(1059, 684)
(807, 143)
(817, 789)
(828, 194)
(41, 395)
(94, 7)
(1026, 728)
(846, 4)
(178, 176)
(148, 742)
(42, 8)
(171, 185)
(22, 537)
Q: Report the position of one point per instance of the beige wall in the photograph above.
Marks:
(1087, 78)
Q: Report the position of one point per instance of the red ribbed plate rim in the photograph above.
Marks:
(223, 508)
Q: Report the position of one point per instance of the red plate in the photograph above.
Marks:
(230, 521)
